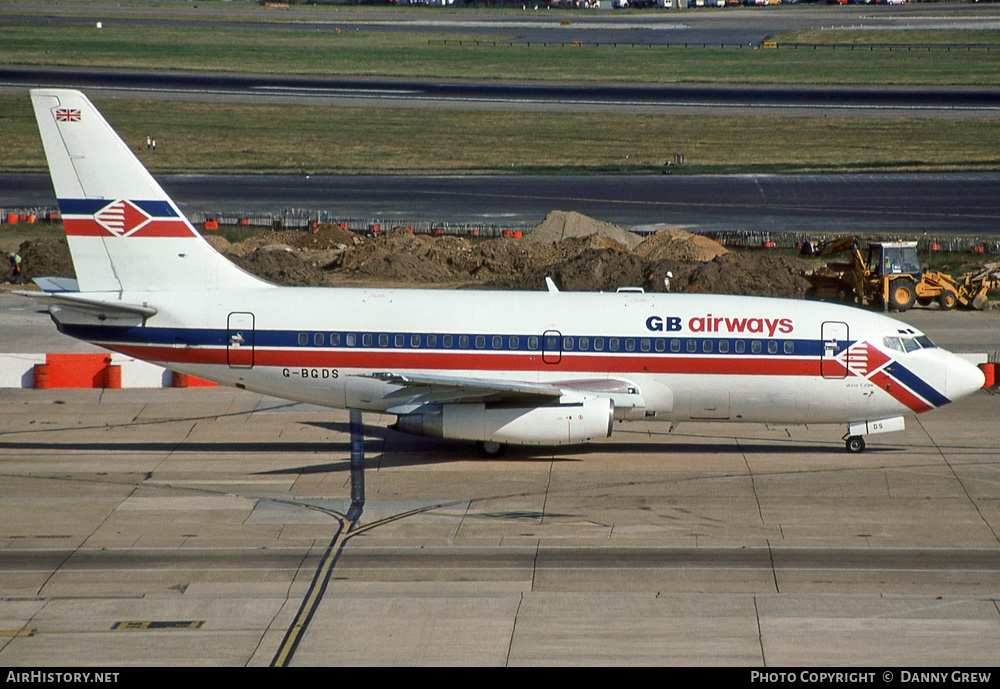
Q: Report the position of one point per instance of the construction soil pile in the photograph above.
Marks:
(579, 253)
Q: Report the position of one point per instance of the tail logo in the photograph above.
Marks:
(122, 218)
(68, 115)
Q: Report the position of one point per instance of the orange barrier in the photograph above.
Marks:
(12, 218)
(112, 376)
(989, 370)
(42, 377)
(211, 224)
(75, 371)
(183, 380)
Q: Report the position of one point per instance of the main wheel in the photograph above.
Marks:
(902, 294)
(855, 443)
(490, 449)
(947, 300)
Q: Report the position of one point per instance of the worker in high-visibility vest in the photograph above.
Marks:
(15, 267)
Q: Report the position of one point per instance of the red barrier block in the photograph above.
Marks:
(77, 370)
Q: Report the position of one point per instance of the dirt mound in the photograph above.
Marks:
(747, 273)
(678, 245)
(591, 261)
(220, 244)
(281, 266)
(45, 257)
(560, 225)
(325, 236)
(402, 255)
(603, 270)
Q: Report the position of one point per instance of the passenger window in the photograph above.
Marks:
(629, 344)
(755, 347)
(399, 340)
(334, 339)
(383, 340)
(598, 344)
(789, 347)
(480, 341)
(351, 339)
(740, 346)
(514, 342)
(414, 340)
(497, 342)
(613, 344)
(661, 344)
(706, 346)
(447, 341)
(645, 344)
(432, 341)
(463, 341)
(303, 339)
(723, 346)
(568, 344)
(675, 345)
(533, 342)
(366, 340)
(584, 343)
(772, 347)
(692, 346)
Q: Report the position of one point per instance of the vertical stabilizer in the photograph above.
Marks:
(124, 232)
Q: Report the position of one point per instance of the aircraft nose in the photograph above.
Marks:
(962, 378)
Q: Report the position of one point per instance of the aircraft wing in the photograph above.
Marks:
(433, 389)
(420, 389)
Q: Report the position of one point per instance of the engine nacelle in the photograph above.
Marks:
(555, 424)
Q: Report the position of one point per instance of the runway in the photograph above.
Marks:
(191, 527)
(959, 203)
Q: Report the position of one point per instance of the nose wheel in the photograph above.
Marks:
(855, 443)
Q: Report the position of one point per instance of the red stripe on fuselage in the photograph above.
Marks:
(470, 361)
(899, 393)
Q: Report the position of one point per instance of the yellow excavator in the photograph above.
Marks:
(893, 278)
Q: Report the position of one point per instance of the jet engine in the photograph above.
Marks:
(556, 424)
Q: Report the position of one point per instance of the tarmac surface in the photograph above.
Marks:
(209, 527)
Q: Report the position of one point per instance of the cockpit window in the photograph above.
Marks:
(909, 344)
(892, 343)
(925, 342)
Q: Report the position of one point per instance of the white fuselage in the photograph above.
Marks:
(661, 356)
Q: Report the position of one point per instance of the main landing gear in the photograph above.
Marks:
(490, 449)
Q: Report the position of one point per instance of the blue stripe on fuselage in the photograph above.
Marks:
(915, 383)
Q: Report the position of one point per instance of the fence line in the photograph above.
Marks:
(307, 219)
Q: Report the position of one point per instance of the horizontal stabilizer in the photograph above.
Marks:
(94, 307)
(57, 284)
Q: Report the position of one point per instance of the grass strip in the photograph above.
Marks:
(293, 139)
(427, 55)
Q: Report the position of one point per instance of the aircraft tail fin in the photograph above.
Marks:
(124, 232)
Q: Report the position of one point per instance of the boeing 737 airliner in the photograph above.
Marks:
(544, 367)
